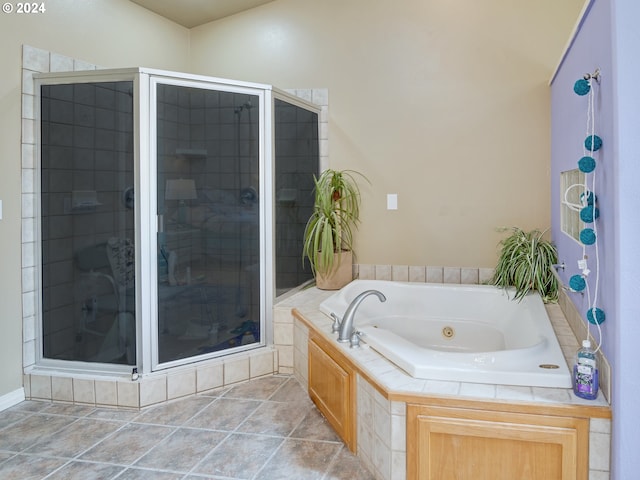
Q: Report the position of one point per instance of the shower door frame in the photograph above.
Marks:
(148, 206)
(145, 212)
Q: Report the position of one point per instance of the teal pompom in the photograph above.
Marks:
(577, 283)
(588, 236)
(589, 213)
(590, 198)
(587, 164)
(596, 318)
(581, 87)
(593, 143)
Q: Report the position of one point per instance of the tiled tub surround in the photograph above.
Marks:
(384, 390)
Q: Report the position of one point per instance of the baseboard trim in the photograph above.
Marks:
(12, 398)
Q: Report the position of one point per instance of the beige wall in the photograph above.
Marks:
(113, 33)
(444, 103)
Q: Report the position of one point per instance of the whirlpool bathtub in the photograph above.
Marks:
(465, 333)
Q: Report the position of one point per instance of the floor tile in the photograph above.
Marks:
(128, 444)
(346, 466)
(260, 389)
(182, 450)
(315, 427)
(273, 418)
(27, 467)
(240, 456)
(300, 459)
(75, 438)
(291, 392)
(224, 414)
(23, 434)
(174, 413)
(85, 471)
(141, 474)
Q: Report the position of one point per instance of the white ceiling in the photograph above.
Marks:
(191, 13)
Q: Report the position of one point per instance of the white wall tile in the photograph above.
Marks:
(128, 394)
(106, 393)
(366, 272)
(61, 63)
(35, 59)
(417, 274)
(153, 390)
(469, 276)
(29, 328)
(236, 370)
(485, 275)
(400, 273)
(283, 334)
(28, 304)
(599, 454)
(209, 377)
(261, 363)
(398, 465)
(383, 272)
(451, 275)
(28, 131)
(28, 106)
(28, 205)
(29, 353)
(181, 383)
(62, 389)
(285, 355)
(435, 274)
(84, 391)
(41, 387)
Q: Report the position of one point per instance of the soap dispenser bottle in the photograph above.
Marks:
(585, 372)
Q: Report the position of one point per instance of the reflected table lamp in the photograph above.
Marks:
(181, 190)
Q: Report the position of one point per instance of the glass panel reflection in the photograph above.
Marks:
(296, 162)
(87, 222)
(208, 262)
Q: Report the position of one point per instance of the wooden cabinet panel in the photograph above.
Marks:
(461, 444)
(332, 389)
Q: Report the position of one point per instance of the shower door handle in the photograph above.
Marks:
(160, 223)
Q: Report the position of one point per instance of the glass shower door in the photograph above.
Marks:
(208, 265)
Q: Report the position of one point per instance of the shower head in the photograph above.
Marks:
(246, 105)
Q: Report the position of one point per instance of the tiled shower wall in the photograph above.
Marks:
(87, 162)
(34, 61)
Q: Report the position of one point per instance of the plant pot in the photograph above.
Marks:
(340, 275)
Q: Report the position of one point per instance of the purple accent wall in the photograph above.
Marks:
(608, 38)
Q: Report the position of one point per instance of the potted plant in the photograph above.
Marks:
(526, 261)
(328, 235)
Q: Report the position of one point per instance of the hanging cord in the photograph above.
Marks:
(590, 127)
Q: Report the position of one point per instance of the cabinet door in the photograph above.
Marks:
(461, 444)
(331, 389)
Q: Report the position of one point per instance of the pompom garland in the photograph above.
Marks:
(587, 164)
(595, 318)
(589, 213)
(581, 87)
(577, 283)
(593, 143)
(588, 236)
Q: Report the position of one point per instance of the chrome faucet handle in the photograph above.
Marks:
(354, 341)
(335, 327)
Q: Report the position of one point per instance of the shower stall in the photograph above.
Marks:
(171, 215)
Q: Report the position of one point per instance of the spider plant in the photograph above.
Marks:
(336, 212)
(525, 262)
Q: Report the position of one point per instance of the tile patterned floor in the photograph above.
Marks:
(265, 429)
